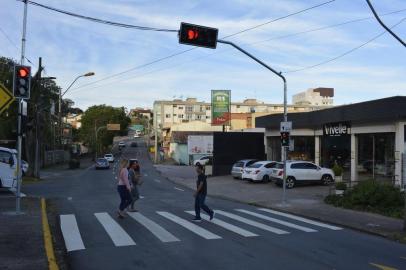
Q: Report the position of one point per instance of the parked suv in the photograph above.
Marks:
(300, 172)
(238, 168)
(109, 157)
(8, 167)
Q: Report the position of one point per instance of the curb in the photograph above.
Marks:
(49, 248)
(390, 236)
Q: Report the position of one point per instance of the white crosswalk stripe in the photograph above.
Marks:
(154, 228)
(287, 224)
(116, 233)
(305, 220)
(251, 222)
(226, 225)
(71, 233)
(190, 226)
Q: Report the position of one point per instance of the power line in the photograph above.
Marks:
(184, 51)
(253, 43)
(14, 44)
(96, 20)
(345, 53)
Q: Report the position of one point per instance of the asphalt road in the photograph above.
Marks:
(161, 236)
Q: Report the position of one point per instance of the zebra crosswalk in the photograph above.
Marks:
(162, 224)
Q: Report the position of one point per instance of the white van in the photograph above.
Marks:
(8, 168)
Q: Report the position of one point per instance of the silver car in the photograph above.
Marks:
(239, 166)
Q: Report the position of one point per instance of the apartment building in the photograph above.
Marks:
(171, 112)
(321, 96)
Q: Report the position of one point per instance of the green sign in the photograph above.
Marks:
(220, 107)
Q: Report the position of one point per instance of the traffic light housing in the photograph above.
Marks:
(22, 81)
(197, 35)
(285, 138)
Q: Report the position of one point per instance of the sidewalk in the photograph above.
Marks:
(63, 169)
(304, 201)
(21, 238)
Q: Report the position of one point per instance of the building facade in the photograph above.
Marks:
(321, 96)
(367, 139)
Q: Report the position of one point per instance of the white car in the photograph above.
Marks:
(301, 172)
(109, 157)
(259, 171)
(8, 167)
(121, 144)
(202, 161)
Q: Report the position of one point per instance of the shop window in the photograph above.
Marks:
(376, 156)
(303, 148)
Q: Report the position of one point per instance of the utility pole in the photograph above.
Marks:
(20, 112)
(37, 154)
(285, 112)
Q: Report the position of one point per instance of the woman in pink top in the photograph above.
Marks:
(123, 188)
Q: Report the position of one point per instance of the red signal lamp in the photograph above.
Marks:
(23, 72)
(192, 34)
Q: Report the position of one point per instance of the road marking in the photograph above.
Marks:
(49, 247)
(383, 267)
(226, 225)
(252, 223)
(287, 224)
(190, 226)
(305, 220)
(178, 189)
(71, 234)
(158, 181)
(117, 234)
(154, 228)
(404, 258)
(69, 198)
(142, 197)
(145, 174)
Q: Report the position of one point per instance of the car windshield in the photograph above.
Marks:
(256, 165)
(239, 164)
(108, 155)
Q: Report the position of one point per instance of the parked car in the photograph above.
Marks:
(121, 144)
(134, 144)
(109, 157)
(301, 172)
(202, 161)
(238, 167)
(102, 163)
(136, 135)
(8, 167)
(24, 167)
(259, 171)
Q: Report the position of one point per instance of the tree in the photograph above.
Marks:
(99, 116)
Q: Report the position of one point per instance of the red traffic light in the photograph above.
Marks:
(23, 72)
(192, 34)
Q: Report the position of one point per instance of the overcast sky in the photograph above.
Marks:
(71, 46)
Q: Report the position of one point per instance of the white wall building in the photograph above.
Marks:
(321, 96)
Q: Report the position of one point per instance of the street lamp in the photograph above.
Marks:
(88, 74)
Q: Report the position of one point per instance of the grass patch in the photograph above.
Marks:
(372, 196)
(30, 180)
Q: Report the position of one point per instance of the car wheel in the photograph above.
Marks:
(326, 179)
(265, 179)
(197, 163)
(290, 182)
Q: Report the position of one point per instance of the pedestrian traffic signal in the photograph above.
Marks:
(285, 138)
(198, 35)
(22, 81)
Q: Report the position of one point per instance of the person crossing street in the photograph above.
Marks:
(200, 195)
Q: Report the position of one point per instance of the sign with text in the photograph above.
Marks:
(200, 144)
(286, 126)
(113, 127)
(220, 107)
(336, 129)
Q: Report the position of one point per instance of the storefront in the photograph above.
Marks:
(366, 139)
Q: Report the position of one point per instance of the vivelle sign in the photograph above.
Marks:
(337, 129)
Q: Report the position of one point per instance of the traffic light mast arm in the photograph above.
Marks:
(285, 112)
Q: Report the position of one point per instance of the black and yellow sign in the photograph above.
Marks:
(6, 98)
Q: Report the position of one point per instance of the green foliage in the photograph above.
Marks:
(341, 186)
(372, 196)
(99, 116)
(337, 169)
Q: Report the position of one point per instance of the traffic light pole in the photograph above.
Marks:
(20, 112)
(285, 112)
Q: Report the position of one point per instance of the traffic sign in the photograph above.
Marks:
(113, 127)
(286, 126)
(6, 98)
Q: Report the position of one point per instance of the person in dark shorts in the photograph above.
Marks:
(200, 195)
